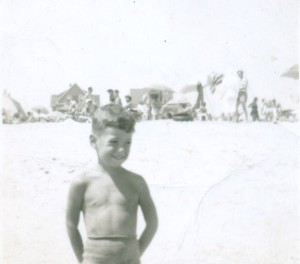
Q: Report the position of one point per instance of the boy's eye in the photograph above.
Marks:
(113, 141)
(129, 142)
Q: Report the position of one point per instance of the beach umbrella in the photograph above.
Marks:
(40, 110)
(11, 107)
(292, 72)
(213, 80)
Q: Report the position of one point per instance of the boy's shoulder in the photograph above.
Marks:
(86, 176)
(132, 175)
(136, 179)
(80, 179)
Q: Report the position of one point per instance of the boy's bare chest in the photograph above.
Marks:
(104, 192)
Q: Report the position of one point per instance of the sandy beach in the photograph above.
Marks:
(226, 193)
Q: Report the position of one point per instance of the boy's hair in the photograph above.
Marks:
(112, 115)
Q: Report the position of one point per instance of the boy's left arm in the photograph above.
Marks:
(150, 216)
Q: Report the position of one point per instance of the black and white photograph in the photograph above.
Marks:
(149, 132)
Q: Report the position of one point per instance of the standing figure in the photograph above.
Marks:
(274, 111)
(128, 100)
(111, 96)
(109, 196)
(89, 94)
(242, 95)
(200, 97)
(117, 98)
(254, 110)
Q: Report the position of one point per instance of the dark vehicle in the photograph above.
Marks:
(177, 112)
(183, 117)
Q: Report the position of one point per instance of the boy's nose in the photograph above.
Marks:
(121, 149)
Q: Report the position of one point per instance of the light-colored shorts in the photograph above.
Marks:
(111, 251)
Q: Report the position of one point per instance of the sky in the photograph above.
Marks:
(48, 45)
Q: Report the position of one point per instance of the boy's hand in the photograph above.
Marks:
(150, 216)
(74, 207)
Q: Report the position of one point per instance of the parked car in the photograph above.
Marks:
(177, 112)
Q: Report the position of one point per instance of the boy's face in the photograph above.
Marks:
(112, 146)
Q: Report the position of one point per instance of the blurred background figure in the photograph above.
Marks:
(111, 96)
(89, 94)
(71, 106)
(254, 110)
(242, 95)
(202, 112)
(128, 100)
(143, 108)
(89, 109)
(117, 99)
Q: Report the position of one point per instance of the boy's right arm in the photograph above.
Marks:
(74, 207)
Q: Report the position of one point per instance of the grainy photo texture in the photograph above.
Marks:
(154, 132)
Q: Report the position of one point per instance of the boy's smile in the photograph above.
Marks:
(112, 146)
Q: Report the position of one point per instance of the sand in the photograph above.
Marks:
(225, 192)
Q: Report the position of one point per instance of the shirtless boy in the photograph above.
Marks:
(109, 197)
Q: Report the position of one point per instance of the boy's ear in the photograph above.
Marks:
(92, 140)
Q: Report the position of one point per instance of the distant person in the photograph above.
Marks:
(264, 110)
(274, 111)
(128, 100)
(109, 197)
(71, 106)
(200, 96)
(269, 110)
(31, 117)
(254, 110)
(203, 111)
(117, 98)
(89, 94)
(143, 108)
(242, 95)
(111, 96)
(279, 110)
(138, 115)
(86, 114)
(16, 119)
(89, 109)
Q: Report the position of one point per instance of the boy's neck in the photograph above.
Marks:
(108, 169)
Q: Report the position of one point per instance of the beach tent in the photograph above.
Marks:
(292, 72)
(74, 93)
(12, 109)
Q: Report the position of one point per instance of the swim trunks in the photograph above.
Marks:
(111, 251)
(242, 97)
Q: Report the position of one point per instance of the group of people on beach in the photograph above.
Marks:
(264, 110)
(71, 111)
(114, 97)
(268, 110)
(84, 113)
(82, 110)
